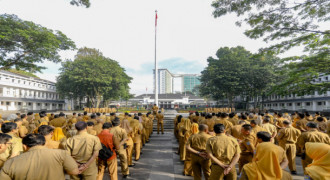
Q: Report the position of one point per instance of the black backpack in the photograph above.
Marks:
(105, 153)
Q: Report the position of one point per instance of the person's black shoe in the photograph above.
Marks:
(136, 159)
(294, 172)
(125, 176)
(131, 165)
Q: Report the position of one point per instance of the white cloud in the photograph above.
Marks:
(124, 31)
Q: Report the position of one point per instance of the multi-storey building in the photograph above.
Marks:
(165, 81)
(314, 101)
(19, 92)
(189, 82)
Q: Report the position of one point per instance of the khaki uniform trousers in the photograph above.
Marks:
(199, 164)
(290, 150)
(89, 174)
(137, 148)
(217, 173)
(129, 151)
(244, 159)
(160, 125)
(112, 167)
(285, 176)
(123, 161)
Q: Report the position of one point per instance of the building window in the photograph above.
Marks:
(7, 103)
(46, 104)
(38, 104)
(298, 104)
(13, 80)
(308, 103)
(19, 103)
(19, 81)
(319, 103)
(289, 104)
(29, 104)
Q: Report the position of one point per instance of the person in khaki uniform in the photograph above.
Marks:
(25, 122)
(47, 132)
(120, 134)
(84, 148)
(301, 123)
(16, 146)
(59, 122)
(90, 128)
(312, 135)
(98, 126)
(247, 145)
(160, 122)
(270, 128)
(39, 162)
(322, 126)
(287, 138)
(155, 109)
(72, 120)
(137, 131)
(235, 131)
(255, 127)
(222, 118)
(22, 130)
(197, 146)
(5, 141)
(224, 153)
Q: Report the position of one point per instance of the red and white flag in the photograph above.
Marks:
(156, 19)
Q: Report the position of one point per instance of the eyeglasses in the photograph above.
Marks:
(9, 143)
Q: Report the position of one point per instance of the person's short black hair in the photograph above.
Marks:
(253, 122)
(139, 114)
(213, 114)
(90, 123)
(126, 113)
(247, 127)
(29, 113)
(208, 116)
(136, 117)
(74, 113)
(8, 127)
(301, 115)
(42, 115)
(224, 115)
(106, 125)
(279, 115)
(179, 118)
(231, 115)
(286, 122)
(267, 119)
(81, 125)
(202, 127)
(79, 114)
(318, 113)
(98, 114)
(319, 119)
(264, 136)
(116, 122)
(85, 112)
(312, 125)
(23, 116)
(45, 130)
(111, 114)
(197, 113)
(17, 119)
(243, 117)
(93, 116)
(219, 128)
(4, 138)
(32, 140)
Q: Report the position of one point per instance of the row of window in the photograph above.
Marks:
(321, 103)
(34, 94)
(28, 104)
(27, 82)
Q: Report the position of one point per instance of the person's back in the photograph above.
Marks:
(38, 162)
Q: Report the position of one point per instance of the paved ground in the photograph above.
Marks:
(159, 161)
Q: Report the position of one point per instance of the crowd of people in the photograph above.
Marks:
(48, 146)
(262, 145)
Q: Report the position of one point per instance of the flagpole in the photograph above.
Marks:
(156, 69)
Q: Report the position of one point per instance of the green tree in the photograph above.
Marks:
(93, 76)
(24, 43)
(85, 3)
(287, 24)
(237, 72)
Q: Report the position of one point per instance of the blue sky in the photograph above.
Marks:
(187, 33)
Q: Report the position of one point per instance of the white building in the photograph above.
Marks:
(165, 81)
(19, 92)
(169, 101)
(310, 102)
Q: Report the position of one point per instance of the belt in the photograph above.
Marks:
(290, 142)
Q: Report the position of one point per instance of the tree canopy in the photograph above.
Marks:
(24, 43)
(237, 72)
(85, 3)
(286, 24)
(93, 76)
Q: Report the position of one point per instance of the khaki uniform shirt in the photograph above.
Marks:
(160, 118)
(98, 128)
(248, 144)
(313, 136)
(119, 134)
(288, 135)
(223, 147)
(51, 144)
(271, 129)
(257, 129)
(82, 146)
(38, 163)
(301, 124)
(225, 122)
(91, 131)
(233, 120)
(235, 131)
(322, 126)
(198, 141)
(15, 147)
